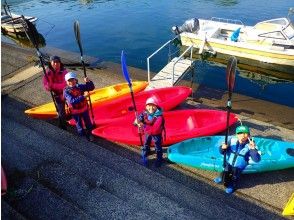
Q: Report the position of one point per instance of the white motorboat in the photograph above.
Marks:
(12, 22)
(270, 41)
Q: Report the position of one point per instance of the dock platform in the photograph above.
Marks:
(171, 73)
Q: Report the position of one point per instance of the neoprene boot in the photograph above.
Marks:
(144, 161)
(158, 161)
(89, 136)
(229, 190)
(218, 180)
(144, 158)
(62, 124)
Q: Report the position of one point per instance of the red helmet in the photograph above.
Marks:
(152, 100)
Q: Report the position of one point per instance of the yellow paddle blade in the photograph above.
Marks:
(289, 208)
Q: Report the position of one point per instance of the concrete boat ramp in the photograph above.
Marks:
(54, 174)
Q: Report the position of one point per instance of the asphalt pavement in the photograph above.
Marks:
(55, 174)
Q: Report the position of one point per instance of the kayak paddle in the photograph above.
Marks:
(33, 35)
(78, 39)
(230, 77)
(127, 77)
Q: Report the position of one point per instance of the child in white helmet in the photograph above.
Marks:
(152, 121)
(76, 97)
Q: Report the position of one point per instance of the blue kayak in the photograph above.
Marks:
(203, 153)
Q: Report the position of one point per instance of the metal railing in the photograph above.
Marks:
(226, 20)
(148, 59)
(179, 58)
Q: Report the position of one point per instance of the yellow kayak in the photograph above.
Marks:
(98, 96)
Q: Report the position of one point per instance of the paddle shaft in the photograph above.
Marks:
(229, 107)
(230, 72)
(78, 39)
(33, 39)
(127, 77)
(136, 114)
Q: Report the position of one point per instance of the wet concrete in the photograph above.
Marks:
(83, 180)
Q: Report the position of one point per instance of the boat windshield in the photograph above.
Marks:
(280, 28)
(279, 21)
(289, 31)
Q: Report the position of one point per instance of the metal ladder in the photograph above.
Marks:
(173, 72)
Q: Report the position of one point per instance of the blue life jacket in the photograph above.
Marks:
(238, 154)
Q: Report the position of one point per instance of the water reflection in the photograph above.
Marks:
(85, 2)
(260, 79)
(22, 40)
(226, 2)
(262, 84)
(281, 72)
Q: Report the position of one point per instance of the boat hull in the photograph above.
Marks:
(203, 153)
(253, 51)
(180, 125)
(98, 97)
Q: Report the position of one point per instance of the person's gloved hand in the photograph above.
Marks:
(141, 118)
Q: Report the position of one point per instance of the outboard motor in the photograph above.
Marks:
(191, 25)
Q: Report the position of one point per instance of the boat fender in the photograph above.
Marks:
(235, 35)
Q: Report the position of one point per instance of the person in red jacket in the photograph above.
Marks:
(152, 121)
(54, 81)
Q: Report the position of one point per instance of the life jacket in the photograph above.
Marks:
(151, 119)
(57, 81)
(237, 156)
(80, 107)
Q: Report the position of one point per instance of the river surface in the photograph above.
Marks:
(141, 27)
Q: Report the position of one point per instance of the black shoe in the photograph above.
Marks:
(158, 163)
(63, 127)
(144, 161)
(90, 138)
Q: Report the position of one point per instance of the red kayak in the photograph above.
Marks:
(180, 125)
(168, 98)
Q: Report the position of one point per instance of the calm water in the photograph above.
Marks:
(141, 27)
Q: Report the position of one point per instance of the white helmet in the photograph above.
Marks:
(152, 100)
(70, 75)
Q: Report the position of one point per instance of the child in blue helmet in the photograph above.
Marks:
(76, 97)
(238, 152)
(152, 121)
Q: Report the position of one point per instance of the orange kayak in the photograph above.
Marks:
(98, 96)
